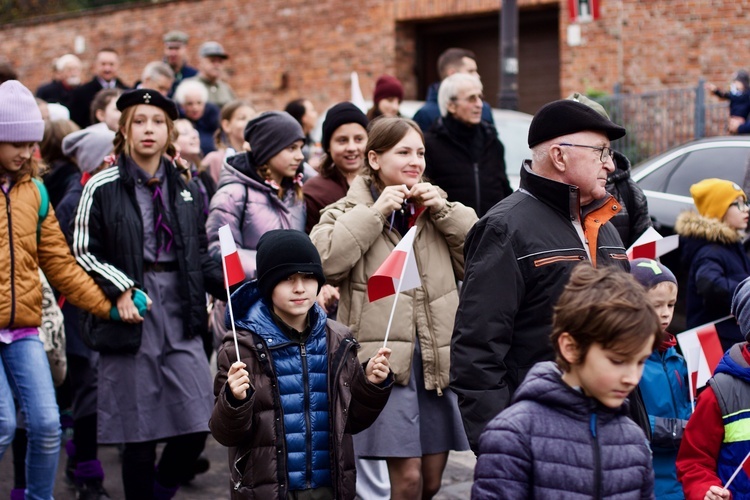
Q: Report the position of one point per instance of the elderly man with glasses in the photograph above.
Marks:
(520, 254)
(463, 154)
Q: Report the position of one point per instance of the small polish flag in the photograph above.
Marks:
(398, 273)
(651, 245)
(702, 351)
(745, 466)
(233, 272)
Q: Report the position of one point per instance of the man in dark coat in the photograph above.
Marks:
(106, 65)
(67, 79)
(520, 254)
(464, 155)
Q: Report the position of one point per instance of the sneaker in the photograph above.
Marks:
(91, 490)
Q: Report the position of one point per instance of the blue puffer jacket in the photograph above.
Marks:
(302, 372)
(717, 265)
(665, 392)
(554, 442)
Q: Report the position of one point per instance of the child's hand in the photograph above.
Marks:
(428, 195)
(127, 309)
(378, 367)
(328, 297)
(717, 493)
(238, 380)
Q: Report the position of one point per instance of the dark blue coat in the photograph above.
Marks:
(718, 263)
(555, 442)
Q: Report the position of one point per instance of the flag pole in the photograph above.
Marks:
(229, 305)
(692, 392)
(737, 471)
(395, 299)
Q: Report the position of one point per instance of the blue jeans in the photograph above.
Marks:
(26, 376)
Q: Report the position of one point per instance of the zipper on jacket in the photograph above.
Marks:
(597, 458)
(308, 430)
(669, 386)
(476, 187)
(12, 264)
(431, 331)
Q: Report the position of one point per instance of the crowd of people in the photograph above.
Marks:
(532, 339)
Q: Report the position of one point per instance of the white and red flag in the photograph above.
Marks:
(233, 272)
(651, 245)
(702, 351)
(744, 466)
(398, 273)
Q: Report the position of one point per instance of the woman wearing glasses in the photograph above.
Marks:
(711, 241)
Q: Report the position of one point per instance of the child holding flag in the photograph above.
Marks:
(288, 407)
(664, 385)
(567, 434)
(716, 443)
(140, 224)
(420, 424)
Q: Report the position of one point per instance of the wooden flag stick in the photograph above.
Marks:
(395, 299)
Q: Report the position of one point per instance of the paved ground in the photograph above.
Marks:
(213, 485)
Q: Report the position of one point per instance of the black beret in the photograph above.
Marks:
(565, 117)
(147, 96)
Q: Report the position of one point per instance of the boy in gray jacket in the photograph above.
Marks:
(567, 435)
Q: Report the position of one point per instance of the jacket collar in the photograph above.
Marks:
(128, 174)
(564, 198)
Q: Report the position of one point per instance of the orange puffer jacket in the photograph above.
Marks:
(21, 254)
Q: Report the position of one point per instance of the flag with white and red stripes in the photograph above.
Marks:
(702, 351)
(651, 245)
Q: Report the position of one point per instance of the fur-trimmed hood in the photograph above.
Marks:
(694, 225)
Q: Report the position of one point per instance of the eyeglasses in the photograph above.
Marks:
(741, 205)
(606, 153)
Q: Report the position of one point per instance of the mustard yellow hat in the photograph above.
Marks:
(713, 196)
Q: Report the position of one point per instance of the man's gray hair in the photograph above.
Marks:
(155, 69)
(66, 59)
(449, 89)
(190, 87)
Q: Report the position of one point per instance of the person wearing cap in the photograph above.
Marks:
(520, 254)
(453, 60)
(293, 362)
(711, 245)
(106, 67)
(175, 54)
(715, 441)
(463, 152)
(344, 140)
(386, 97)
(139, 223)
(633, 220)
(664, 387)
(210, 72)
(31, 240)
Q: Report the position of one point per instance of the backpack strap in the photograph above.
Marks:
(43, 206)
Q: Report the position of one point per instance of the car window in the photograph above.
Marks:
(656, 180)
(722, 163)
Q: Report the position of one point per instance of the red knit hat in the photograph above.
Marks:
(387, 86)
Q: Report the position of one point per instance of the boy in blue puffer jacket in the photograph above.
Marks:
(664, 385)
(288, 409)
(567, 435)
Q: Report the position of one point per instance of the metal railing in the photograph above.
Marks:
(659, 120)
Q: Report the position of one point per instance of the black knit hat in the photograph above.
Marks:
(650, 273)
(341, 114)
(270, 132)
(565, 117)
(283, 252)
(147, 96)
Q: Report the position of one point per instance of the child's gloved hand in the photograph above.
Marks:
(137, 299)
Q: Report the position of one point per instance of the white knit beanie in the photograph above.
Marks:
(20, 118)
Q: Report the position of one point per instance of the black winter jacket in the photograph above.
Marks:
(633, 219)
(471, 176)
(518, 259)
(108, 243)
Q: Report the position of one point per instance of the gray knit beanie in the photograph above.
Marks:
(88, 147)
(270, 132)
(741, 307)
(20, 118)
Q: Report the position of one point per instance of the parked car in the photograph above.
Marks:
(666, 179)
(512, 128)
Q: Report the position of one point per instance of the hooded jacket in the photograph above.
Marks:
(354, 239)
(555, 442)
(718, 263)
(633, 220)
(518, 259)
(255, 429)
(251, 208)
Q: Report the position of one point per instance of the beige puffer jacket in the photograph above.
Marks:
(353, 241)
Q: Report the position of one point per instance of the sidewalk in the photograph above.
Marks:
(214, 484)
